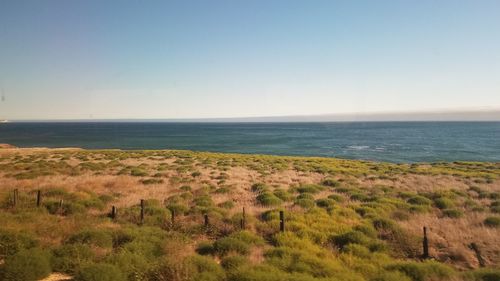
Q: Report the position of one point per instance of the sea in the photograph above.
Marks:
(397, 142)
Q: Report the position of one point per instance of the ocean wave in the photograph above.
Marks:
(358, 147)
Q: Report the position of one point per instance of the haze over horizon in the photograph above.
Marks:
(259, 60)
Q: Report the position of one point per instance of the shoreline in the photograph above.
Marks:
(9, 147)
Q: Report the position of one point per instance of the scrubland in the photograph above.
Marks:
(344, 219)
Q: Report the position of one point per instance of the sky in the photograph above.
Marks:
(95, 59)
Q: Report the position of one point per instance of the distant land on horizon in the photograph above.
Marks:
(425, 116)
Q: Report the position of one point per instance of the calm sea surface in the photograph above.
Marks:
(381, 141)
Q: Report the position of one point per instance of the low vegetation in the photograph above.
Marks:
(181, 215)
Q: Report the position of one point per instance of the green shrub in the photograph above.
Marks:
(133, 265)
(419, 200)
(205, 248)
(325, 203)
(483, 274)
(444, 203)
(239, 242)
(223, 190)
(151, 181)
(359, 197)
(12, 242)
(424, 271)
(492, 222)
(138, 172)
(178, 209)
(69, 258)
(27, 265)
(100, 238)
(305, 203)
(283, 195)
(269, 199)
(330, 182)
(228, 245)
(229, 204)
(391, 276)
(206, 269)
(233, 262)
(259, 188)
(99, 272)
(336, 198)
(453, 213)
(67, 208)
(352, 237)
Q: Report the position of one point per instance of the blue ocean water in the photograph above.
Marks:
(379, 141)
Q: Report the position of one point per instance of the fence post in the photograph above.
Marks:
(38, 198)
(142, 211)
(425, 245)
(206, 223)
(475, 248)
(16, 197)
(282, 221)
(113, 212)
(243, 220)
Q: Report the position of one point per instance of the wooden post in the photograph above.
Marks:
(425, 245)
(243, 220)
(282, 221)
(173, 217)
(113, 212)
(142, 211)
(480, 259)
(38, 198)
(206, 220)
(16, 197)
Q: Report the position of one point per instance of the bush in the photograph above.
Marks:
(205, 248)
(269, 199)
(259, 188)
(492, 221)
(99, 272)
(419, 200)
(228, 245)
(483, 274)
(11, 242)
(330, 182)
(229, 204)
(69, 258)
(443, 203)
(453, 213)
(178, 209)
(283, 195)
(27, 265)
(310, 188)
(325, 203)
(424, 271)
(305, 203)
(233, 262)
(133, 265)
(206, 269)
(99, 238)
(67, 208)
(239, 242)
(352, 237)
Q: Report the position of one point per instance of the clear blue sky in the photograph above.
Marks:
(195, 59)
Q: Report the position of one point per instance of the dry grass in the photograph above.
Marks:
(450, 238)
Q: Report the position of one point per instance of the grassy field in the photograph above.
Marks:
(343, 219)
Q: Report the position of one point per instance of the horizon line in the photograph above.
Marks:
(490, 114)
